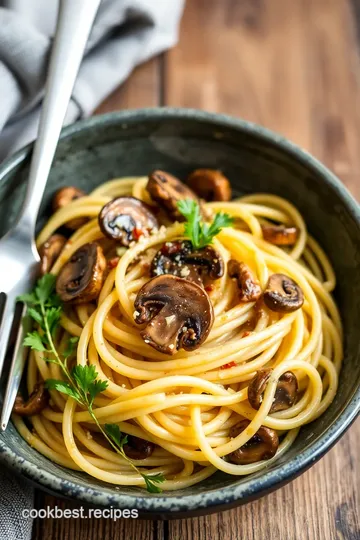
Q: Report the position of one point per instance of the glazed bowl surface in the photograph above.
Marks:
(256, 160)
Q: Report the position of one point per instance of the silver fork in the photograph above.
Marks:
(19, 259)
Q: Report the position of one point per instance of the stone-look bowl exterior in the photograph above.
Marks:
(255, 160)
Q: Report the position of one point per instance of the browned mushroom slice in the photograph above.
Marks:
(279, 235)
(49, 252)
(285, 394)
(81, 278)
(167, 190)
(249, 286)
(283, 294)
(137, 448)
(125, 219)
(179, 259)
(62, 198)
(178, 314)
(36, 402)
(210, 184)
(263, 445)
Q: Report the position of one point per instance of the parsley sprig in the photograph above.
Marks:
(200, 233)
(81, 382)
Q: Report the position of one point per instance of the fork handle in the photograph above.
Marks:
(75, 19)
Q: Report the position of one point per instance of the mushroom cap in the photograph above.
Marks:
(36, 402)
(81, 278)
(178, 313)
(119, 218)
(279, 235)
(179, 259)
(262, 445)
(210, 184)
(137, 448)
(63, 197)
(167, 190)
(49, 252)
(283, 294)
(285, 394)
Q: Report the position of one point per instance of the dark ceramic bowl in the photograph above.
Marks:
(256, 160)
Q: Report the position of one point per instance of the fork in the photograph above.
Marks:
(19, 259)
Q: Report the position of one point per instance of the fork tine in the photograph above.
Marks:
(5, 328)
(17, 367)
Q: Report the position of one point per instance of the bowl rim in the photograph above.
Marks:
(252, 487)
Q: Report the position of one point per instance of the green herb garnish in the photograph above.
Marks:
(81, 382)
(199, 233)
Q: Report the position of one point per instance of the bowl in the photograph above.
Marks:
(255, 160)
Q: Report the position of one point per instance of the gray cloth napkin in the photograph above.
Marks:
(15, 496)
(125, 33)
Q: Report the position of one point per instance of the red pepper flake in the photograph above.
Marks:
(229, 365)
(209, 288)
(171, 248)
(112, 263)
(137, 233)
(246, 334)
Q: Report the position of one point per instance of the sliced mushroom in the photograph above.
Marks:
(249, 286)
(63, 197)
(81, 278)
(125, 219)
(285, 394)
(167, 191)
(49, 252)
(283, 294)
(210, 184)
(36, 402)
(137, 448)
(279, 235)
(179, 259)
(178, 313)
(263, 445)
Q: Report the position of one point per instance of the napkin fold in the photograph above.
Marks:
(125, 34)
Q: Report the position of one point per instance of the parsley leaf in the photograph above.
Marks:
(34, 341)
(86, 380)
(82, 383)
(220, 221)
(63, 387)
(71, 347)
(84, 376)
(36, 315)
(151, 482)
(96, 388)
(201, 234)
(113, 431)
(53, 315)
(29, 299)
(45, 287)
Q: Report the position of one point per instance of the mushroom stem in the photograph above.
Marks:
(249, 286)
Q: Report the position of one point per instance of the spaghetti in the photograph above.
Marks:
(189, 404)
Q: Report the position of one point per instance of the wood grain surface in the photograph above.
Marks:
(293, 66)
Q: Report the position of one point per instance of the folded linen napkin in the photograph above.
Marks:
(125, 33)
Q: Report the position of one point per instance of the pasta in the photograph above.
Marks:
(189, 404)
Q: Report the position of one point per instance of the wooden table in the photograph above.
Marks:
(293, 66)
